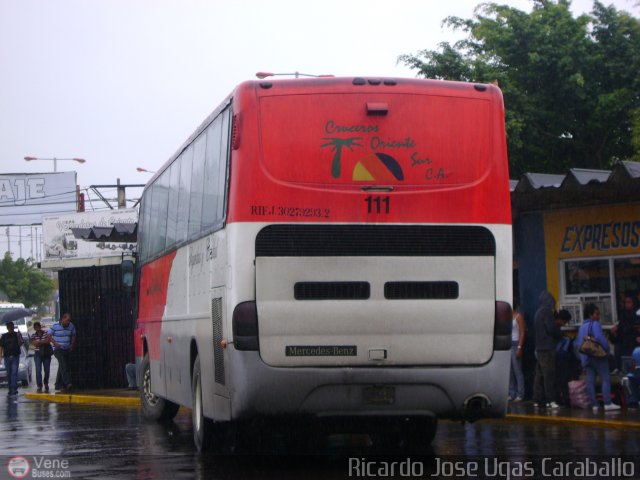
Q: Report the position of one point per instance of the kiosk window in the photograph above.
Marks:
(627, 275)
(587, 276)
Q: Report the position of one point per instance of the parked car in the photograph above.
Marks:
(24, 369)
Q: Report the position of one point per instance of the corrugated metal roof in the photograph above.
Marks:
(538, 191)
(632, 168)
(584, 176)
(123, 232)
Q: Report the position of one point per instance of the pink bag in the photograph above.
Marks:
(578, 394)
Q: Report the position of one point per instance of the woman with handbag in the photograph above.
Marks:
(594, 349)
(42, 353)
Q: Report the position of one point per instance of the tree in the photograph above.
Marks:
(23, 282)
(571, 85)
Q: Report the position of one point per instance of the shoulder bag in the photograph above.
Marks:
(591, 347)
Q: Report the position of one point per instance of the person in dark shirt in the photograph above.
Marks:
(626, 333)
(10, 345)
(548, 334)
(567, 364)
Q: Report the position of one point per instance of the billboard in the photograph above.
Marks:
(64, 246)
(26, 197)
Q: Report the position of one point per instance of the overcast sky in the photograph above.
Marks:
(122, 83)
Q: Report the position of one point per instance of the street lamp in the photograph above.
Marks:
(140, 169)
(55, 160)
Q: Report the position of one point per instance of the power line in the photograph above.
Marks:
(53, 195)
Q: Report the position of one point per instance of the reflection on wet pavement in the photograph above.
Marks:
(109, 442)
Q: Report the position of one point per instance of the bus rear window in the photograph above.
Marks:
(390, 139)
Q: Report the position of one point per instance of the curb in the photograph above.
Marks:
(85, 399)
(135, 402)
(589, 422)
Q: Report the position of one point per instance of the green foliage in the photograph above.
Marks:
(571, 85)
(23, 282)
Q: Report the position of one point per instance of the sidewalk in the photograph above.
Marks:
(626, 418)
(119, 397)
(110, 397)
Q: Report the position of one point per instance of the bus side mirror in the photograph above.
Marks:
(127, 268)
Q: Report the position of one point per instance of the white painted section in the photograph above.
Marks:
(414, 332)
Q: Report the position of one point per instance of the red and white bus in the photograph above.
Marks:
(335, 249)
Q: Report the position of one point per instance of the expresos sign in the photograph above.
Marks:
(596, 231)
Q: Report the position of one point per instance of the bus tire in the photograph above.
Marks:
(203, 428)
(153, 406)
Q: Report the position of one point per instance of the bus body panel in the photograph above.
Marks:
(323, 392)
(375, 329)
(191, 283)
(431, 175)
(435, 159)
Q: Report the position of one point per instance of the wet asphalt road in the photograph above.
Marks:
(100, 442)
(115, 442)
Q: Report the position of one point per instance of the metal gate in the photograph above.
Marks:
(101, 311)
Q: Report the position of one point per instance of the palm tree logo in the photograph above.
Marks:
(338, 144)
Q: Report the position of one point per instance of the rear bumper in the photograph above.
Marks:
(447, 392)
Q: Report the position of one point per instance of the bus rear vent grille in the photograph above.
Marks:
(420, 290)
(283, 240)
(332, 290)
(218, 354)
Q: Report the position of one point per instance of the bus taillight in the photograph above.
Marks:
(502, 326)
(245, 326)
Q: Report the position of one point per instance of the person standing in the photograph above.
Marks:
(596, 365)
(42, 352)
(63, 339)
(130, 371)
(567, 364)
(626, 334)
(10, 345)
(516, 377)
(548, 334)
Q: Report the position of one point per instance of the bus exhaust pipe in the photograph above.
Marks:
(476, 406)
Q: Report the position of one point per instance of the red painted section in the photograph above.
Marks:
(307, 151)
(154, 283)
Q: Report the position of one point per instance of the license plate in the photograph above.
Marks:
(379, 395)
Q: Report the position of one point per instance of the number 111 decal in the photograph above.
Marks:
(377, 204)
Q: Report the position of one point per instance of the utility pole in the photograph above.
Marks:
(8, 240)
(122, 197)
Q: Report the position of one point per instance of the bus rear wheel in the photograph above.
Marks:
(203, 428)
(153, 406)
